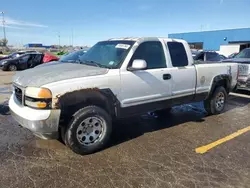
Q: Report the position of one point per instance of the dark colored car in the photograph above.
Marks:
(25, 61)
(16, 54)
(242, 57)
(232, 55)
(208, 56)
(194, 52)
(72, 57)
(222, 57)
(11, 56)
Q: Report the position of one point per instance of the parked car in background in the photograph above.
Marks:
(25, 61)
(243, 58)
(16, 54)
(194, 52)
(116, 78)
(233, 55)
(206, 56)
(222, 57)
(48, 57)
(73, 56)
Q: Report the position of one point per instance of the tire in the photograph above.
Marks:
(12, 67)
(216, 103)
(4, 68)
(163, 112)
(89, 130)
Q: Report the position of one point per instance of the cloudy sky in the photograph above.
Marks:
(32, 21)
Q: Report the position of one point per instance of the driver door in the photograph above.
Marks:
(36, 60)
(23, 62)
(146, 89)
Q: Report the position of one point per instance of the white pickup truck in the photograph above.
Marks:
(116, 78)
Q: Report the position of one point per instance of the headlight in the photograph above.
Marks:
(38, 97)
(3, 62)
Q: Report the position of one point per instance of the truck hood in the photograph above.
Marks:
(238, 60)
(54, 72)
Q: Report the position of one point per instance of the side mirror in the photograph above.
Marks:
(138, 64)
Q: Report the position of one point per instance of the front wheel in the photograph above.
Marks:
(12, 68)
(216, 103)
(89, 130)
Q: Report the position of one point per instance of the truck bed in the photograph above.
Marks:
(206, 72)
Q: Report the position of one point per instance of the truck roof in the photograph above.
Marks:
(141, 39)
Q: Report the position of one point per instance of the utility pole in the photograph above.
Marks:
(3, 22)
(59, 40)
(72, 37)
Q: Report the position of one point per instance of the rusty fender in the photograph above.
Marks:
(87, 96)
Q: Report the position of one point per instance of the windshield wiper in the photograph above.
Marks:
(91, 63)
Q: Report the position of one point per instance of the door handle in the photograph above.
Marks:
(166, 76)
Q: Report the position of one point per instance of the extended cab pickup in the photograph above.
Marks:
(115, 78)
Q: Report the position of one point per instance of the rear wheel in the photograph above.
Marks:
(89, 130)
(12, 68)
(216, 103)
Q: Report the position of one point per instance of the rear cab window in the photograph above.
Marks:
(178, 54)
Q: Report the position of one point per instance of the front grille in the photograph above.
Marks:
(18, 94)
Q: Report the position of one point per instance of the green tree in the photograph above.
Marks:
(3, 42)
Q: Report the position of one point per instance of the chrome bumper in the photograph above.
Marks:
(46, 128)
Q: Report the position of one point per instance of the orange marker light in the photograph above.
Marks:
(44, 93)
(41, 104)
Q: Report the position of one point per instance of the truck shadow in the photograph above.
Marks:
(131, 128)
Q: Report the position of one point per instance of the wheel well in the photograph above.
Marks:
(223, 81)
(71, 102)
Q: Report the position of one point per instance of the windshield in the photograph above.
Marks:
(15, 54)
(107, 54)
(244, 54)
(73, 56)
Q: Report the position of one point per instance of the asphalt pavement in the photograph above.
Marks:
(144, 151)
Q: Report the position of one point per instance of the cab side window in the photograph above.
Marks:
(152, 52)
(37, 59)
(24, 58)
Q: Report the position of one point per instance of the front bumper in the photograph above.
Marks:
(3, 67)
(43, 123)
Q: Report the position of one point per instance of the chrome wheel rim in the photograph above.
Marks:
(220, 101)
(90, 130)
